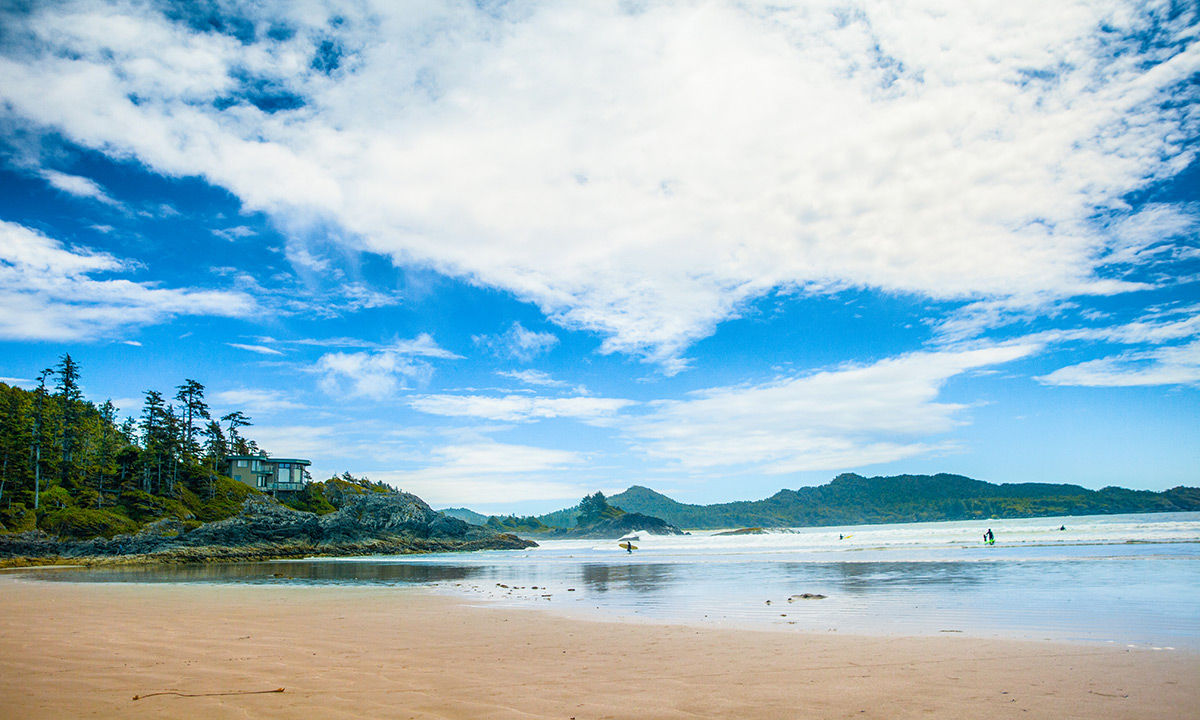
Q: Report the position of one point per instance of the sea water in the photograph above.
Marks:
(1127, 579)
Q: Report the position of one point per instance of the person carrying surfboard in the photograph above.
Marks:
(988, 537)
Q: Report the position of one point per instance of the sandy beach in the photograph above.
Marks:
(86, 650)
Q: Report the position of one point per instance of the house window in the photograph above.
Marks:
(243, 463)
(262, 482)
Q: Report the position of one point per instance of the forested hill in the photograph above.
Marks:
(74, 468)
(853, 499)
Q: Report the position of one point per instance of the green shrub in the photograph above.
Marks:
(226, 501)
(18, 518)
(142, 507)
(311, 499)
(55, 498)
(73, 522)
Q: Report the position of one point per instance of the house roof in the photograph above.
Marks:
(297, 461)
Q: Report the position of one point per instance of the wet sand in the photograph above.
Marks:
(85, 650)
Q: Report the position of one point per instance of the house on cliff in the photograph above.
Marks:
(271, 475)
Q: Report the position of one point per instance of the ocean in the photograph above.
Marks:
(1123, 579)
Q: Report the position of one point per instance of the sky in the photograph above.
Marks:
(503, 254)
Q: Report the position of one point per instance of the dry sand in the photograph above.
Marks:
(85, 650)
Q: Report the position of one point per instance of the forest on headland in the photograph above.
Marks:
(76, 469)
(851, 499)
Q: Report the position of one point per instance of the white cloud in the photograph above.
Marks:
(297, 441)
(234, 234)
(255, 402)
(517, 343)
(379, 373)
(423, 345)
(848, 417)
(532, 377)
(520, 408)
(643, 173)
(260, 349)
(47, 292)
(79, 186)
(1170, 365)
(490, 472)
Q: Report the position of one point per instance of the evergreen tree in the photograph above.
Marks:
(193, 409)
(69, 399)
(154, 441)
(235, 420)
(36, 432)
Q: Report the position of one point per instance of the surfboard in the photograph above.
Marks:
(627, 546)
(847, 537)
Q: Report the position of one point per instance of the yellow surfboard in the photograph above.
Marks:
(627, 546)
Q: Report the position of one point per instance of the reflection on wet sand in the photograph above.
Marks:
(367, 572)
(641, 578)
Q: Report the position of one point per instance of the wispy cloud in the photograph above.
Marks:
(532, 377)
(256, 401)
(260, 349)
(49, 292)
(379, 373)
(491, 472)
(79, 186)
(520, 408)
(517, 343)
(1170, 365)
(848, 417)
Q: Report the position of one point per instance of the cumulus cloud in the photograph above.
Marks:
(835, 419)
(517, 343)
(645, 172)
(50, 292)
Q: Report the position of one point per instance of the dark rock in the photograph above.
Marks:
(372, 523)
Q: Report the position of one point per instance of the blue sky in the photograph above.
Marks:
(504, 254)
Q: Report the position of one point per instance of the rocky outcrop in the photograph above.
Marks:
(372, 523)
(612, 528)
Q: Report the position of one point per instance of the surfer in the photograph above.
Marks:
(629, 548)
(988, 537)
(1062, 527)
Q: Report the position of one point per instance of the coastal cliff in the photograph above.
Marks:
(375, 523)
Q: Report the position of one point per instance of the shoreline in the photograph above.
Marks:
(74, 649)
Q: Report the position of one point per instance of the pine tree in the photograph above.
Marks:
(193, 408)
(69, 399)
(39, 423)
(153, 439)
(235, 420)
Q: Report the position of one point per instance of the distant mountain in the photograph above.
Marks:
(851, 499)
(466, 515)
